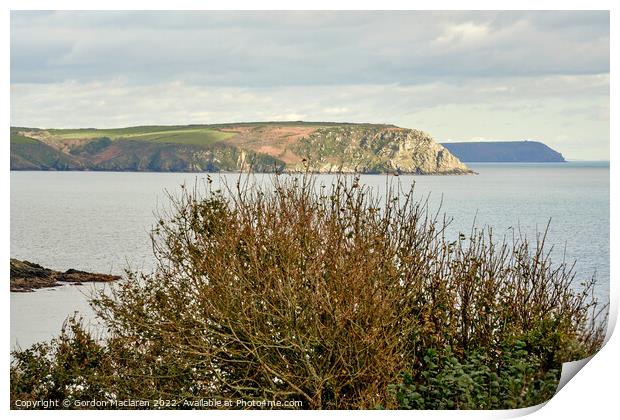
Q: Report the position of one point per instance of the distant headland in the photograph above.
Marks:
(504, 151)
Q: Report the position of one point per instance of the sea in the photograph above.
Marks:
(100, 222)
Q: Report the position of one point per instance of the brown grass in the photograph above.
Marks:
(272, 140)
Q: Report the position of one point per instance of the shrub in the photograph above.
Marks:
(331, 296)
(70, 366)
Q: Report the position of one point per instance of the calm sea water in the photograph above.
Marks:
(99, 221)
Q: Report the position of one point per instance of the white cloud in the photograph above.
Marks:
(466, 32)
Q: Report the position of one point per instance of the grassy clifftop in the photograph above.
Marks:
(266, 147)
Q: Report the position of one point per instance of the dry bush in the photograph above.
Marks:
(326, 294)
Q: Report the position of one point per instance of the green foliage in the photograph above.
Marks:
(72, 366)
(157, 134)
(19, 139)
(327, 295)
(480, 379)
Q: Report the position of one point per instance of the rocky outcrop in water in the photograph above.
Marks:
(27, 276)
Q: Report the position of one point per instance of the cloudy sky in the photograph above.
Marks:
(458, 75)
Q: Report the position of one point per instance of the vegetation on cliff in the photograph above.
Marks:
(326, 295)
(263, 147)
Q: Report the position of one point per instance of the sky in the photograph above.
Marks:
(460, 76)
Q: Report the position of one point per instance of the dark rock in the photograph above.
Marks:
(27, 276)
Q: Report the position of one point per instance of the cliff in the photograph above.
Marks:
(265, 147)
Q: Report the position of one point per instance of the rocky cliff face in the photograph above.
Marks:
(376, 150)
(263, 147)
